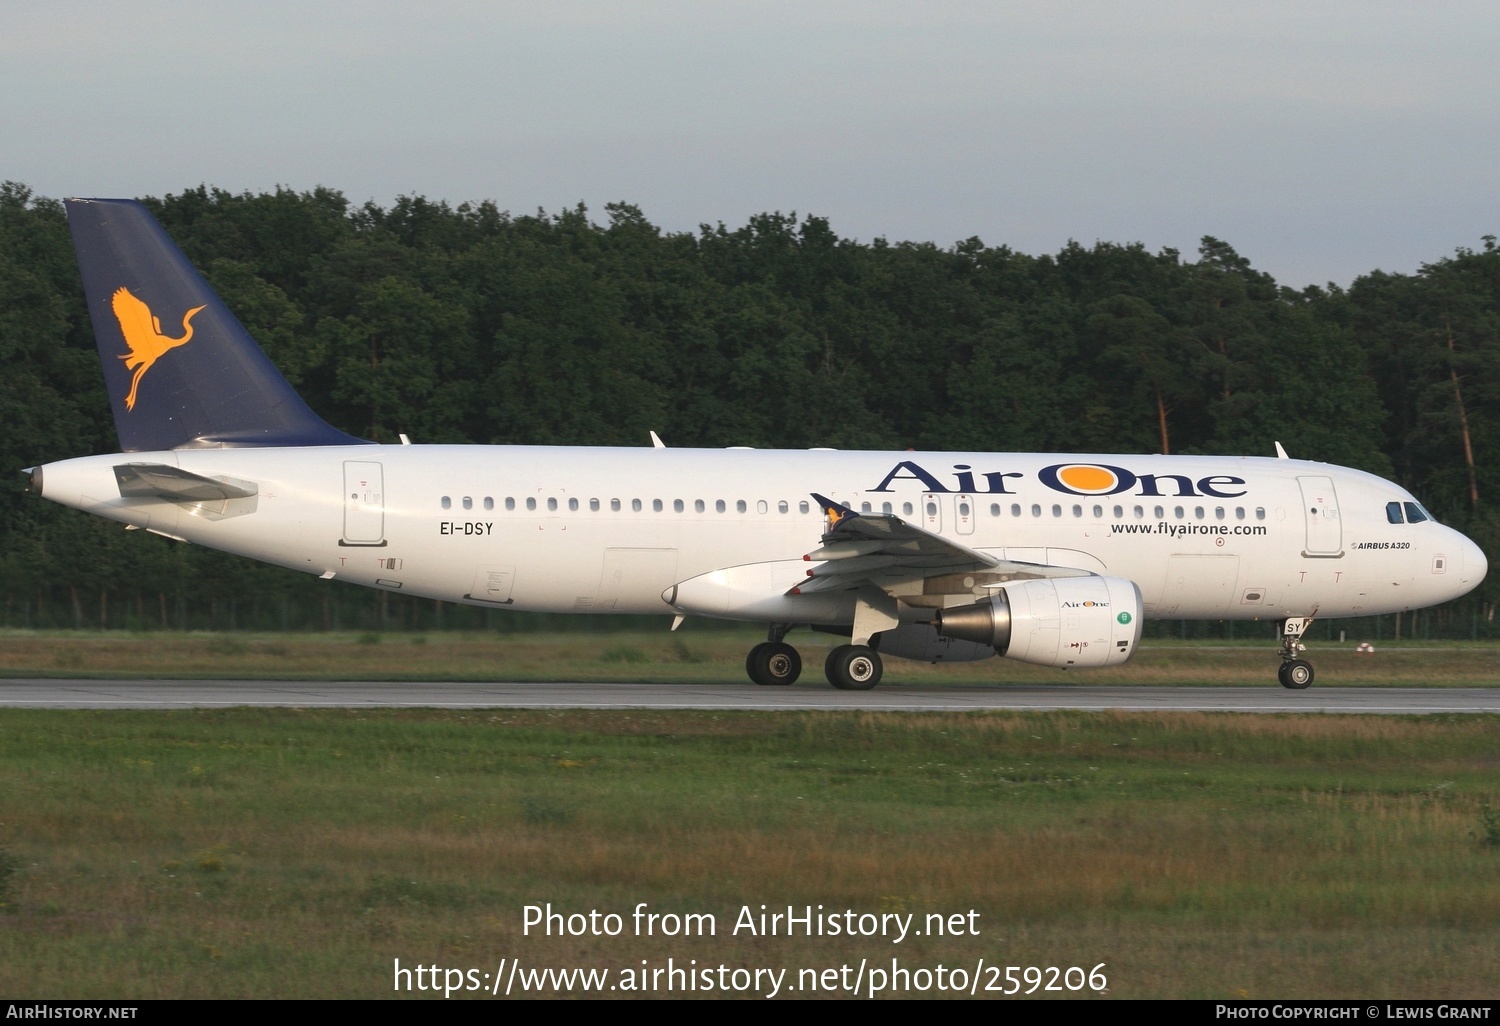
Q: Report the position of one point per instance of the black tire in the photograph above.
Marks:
(755, 663)
(828, 664)
(853, 668)
(780, 664)
(1295, 674)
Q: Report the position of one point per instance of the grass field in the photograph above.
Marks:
(260, 853)
(696, 653)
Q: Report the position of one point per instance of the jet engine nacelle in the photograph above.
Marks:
(920, 642)
(1069, 621)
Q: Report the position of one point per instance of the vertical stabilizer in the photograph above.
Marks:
(180, 370)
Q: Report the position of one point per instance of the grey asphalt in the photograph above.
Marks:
(201, 694)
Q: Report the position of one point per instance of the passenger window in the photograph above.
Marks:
(656, 505)
(1078, 511)
(720, 506)
(740, 506)
(1036, 510)
(531, 503)
(510, 502)
(552, 504)
(931, 508)
(1159, 512)
(885, 507)
(761, 506)
(698, 506)
(593, 505)
(1015, 509)
(1056, 510)
(864, 507)
(573, 505)
(994, 509)
(1140, 512)
(906, 509)
(678, 505)
(1177, 511)
(1098, 512)
(802, 507)
(1393, 513)
(1218, 512)
(635, 505)
(783, 507)
(614, 505)
(1119, 512)
(1239, 512)
(447, 502)
(1260, 512)
(1198, 512)
(468, 502)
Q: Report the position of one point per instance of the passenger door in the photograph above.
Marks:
(1320, 508)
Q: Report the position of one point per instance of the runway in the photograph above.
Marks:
(211, 694)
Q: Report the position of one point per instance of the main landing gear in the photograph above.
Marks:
(853, 667)
(773, 661)
(1295, 673)
(848, 667)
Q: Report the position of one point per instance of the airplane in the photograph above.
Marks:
(1051, 559)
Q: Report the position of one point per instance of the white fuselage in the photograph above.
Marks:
(612, 529)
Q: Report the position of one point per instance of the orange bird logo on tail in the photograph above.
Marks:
(142, 330)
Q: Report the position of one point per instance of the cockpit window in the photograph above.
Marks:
(1393, 513)
(1415, 514)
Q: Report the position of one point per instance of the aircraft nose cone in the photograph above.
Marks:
(1475, 564)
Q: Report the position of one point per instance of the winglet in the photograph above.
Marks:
(1281, 453)
(833, 511)
(656, 442)
(180, 370)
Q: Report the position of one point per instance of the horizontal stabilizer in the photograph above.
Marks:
(159, 481)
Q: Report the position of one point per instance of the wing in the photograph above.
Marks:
(863, 549)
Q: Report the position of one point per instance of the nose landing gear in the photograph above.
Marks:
(1295, 672)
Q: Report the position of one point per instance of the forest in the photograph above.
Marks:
(467, 323)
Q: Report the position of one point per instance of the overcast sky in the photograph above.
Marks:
(1321, 140)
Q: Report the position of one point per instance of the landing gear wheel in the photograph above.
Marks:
(780, 664)
(773, 662)
(754, 660)
(1295, 674)
(853, 668)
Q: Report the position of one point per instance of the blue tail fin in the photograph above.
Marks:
(180, 369)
